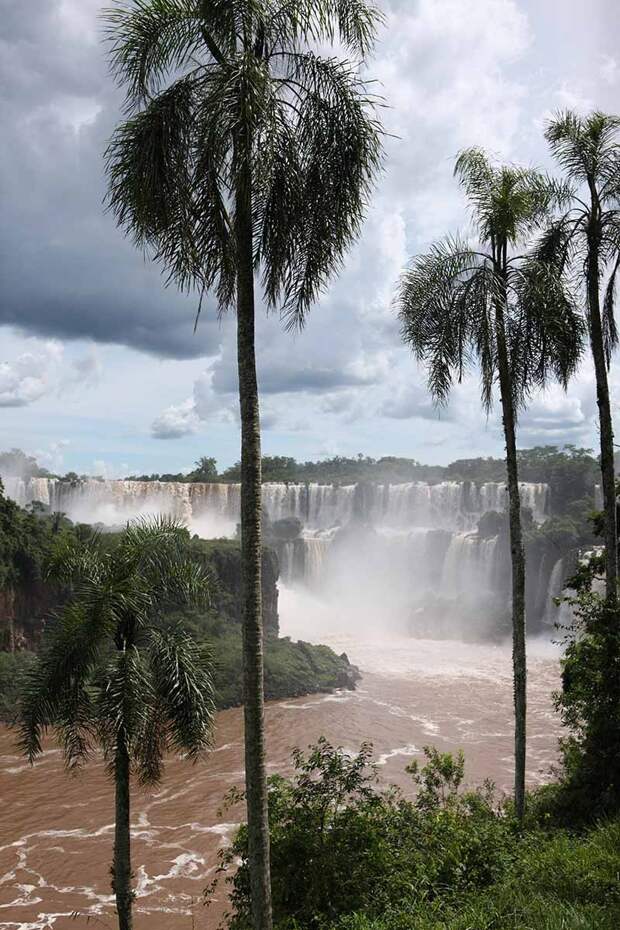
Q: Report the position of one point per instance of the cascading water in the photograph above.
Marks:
(469, 561)
(451, 505)
(378, 547)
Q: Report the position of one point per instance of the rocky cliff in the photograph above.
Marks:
(223, 557)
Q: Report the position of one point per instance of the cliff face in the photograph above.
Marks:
(224, 559)
(23, 612)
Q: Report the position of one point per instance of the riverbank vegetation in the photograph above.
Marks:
(350, 854)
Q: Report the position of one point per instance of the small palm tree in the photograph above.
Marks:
(481, 304)
(247, 152)
(109, 674)
(584, 244)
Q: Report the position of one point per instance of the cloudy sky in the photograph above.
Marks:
(100, 370)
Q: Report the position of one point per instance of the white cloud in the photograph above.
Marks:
(30, 376)
(44, 371)
(176, 421)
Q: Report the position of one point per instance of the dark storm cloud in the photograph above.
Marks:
(280, 378)
(65, 270)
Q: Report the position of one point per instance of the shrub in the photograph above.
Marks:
(340, 844)
(556, 882)
(589, 704)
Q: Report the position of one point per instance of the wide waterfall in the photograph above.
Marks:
(399, 550)
(449, 505)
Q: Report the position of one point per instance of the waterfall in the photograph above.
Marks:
(372, 543)
(555, 588)
(448, 505)
(469, 566)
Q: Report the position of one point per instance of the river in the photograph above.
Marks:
(56, 830)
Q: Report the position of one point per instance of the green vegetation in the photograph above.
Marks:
(205, 469)
(13, 667)
(109, 675)
(589, 704)
(292, 669)
(348, 854)
(26, 539)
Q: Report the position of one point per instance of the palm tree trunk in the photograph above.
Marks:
(121, 868)
(606, 431)
(251, 556)
(517, 556)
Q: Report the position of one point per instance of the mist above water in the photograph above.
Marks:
(401, 559)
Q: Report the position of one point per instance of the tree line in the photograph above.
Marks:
(247, 159)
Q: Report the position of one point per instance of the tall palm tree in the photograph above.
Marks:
(246, 152)
(482, 304)
(584, 243)
(110, 674)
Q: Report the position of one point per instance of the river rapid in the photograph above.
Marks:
(56, 830)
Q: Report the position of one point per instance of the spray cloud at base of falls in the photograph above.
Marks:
(415, 557)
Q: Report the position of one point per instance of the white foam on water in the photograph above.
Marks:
(409, 750)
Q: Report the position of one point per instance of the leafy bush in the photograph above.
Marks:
(589, 704)
(340, 844)
(348, 855)
(556, 882)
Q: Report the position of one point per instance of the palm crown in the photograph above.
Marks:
(462, 300)
(212, 84)
(108, 668)
(588, 149)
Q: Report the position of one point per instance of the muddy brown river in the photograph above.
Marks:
(56, 830)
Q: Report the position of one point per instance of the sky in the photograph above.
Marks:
(100, 369)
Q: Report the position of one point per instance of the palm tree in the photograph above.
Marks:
(482, 304)
(246, 153)
(110, 674)
(584, 243)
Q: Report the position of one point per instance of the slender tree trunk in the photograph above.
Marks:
(606, 431)
(517, 556)
(251, 556)
(121, 869)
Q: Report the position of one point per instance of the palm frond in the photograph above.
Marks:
(558, 244)
(295, 23)
(476, 175)
(583, 145)
(549, 336)
(154, 555)
(54, 692)
(149, 167)
(125, 698)
(182, 672)
(150, 39)
(322, 167)
(440, 298)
